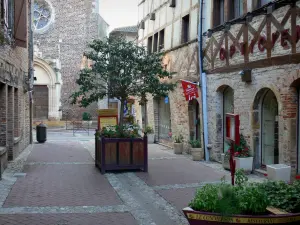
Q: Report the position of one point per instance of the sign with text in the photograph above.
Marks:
(107, 117)
(190, 90)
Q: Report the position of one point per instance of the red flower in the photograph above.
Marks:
(236, 154)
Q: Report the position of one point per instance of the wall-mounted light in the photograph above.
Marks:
(246, 75)
(172, 3)
(270, 8)
(209, 33)
(142, 25)
(152, 16)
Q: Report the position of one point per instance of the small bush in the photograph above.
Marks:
(178, 139)
(86, 116)
(195, 143)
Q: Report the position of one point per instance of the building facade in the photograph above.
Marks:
(14, 80)
(171, 27)
(251, 58)
(62, 30)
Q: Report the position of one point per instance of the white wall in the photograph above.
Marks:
(170, 19)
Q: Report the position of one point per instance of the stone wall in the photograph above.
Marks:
(281, 80)
(75, 25)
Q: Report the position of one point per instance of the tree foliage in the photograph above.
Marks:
(120, 69)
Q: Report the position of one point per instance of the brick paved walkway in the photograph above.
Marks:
(56, 183)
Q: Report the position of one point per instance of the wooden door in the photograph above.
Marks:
(40, 102)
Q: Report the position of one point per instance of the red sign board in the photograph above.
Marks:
(190, 90)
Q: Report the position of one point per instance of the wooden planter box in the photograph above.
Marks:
(121, 154)
(203, 218)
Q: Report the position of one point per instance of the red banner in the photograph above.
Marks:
(190, 90)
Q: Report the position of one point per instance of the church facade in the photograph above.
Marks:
(62, 31)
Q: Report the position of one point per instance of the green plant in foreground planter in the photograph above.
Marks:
(195, 143)
(240, 177)
(178, 139)
(148, 130)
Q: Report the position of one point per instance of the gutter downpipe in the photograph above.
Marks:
(30, 66)
(203, 81)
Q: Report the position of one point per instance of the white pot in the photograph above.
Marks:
(279, 172)
(178, 148)
(197, 154)
(150, 138)
(244, 163)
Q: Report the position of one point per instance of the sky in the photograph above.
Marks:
(119, 13)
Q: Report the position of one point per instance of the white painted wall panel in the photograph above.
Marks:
(170, 14)
(178, 8)
(193, 24)
(168, 37)
(186, 4)
(156, 21)
(177, 33)
(163, 16)
(194, 2)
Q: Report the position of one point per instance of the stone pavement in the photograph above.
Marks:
(56, 183)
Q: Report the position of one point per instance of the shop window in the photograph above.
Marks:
(185, 29)
(238, 8)
(219, 13)
(161, 40)
(150, 42)
(228, 107)
(155, 44)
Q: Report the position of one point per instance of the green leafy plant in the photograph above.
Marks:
(125, 131)
(178, 139)
(86, 116)
(148, 130)
(240, 151)
(282, 195)
(240, 177)
(195, 143)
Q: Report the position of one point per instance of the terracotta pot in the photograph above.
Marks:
(197, 154)
(204, 218)
(178, 148)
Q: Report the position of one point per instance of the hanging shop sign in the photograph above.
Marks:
(107, 117)
(190, 90)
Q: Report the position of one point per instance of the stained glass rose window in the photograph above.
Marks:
(41, 14)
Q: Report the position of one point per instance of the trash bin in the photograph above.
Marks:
(41, 133)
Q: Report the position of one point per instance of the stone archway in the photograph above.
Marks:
(47, 85)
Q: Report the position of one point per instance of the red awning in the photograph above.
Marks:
(21, 24)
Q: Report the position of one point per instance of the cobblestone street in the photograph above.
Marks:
(57, 183)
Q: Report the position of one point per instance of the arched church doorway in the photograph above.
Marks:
(46, 92)
(194, 119)
(269, 147)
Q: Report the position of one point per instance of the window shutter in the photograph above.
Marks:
(20, 25)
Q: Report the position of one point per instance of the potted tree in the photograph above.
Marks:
(196, 151)
(246, 203)
(178, 144)
(120, 69)
(150, 133)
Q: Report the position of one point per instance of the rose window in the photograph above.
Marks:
(41, 14)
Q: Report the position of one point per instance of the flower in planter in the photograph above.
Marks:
(242, 150)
